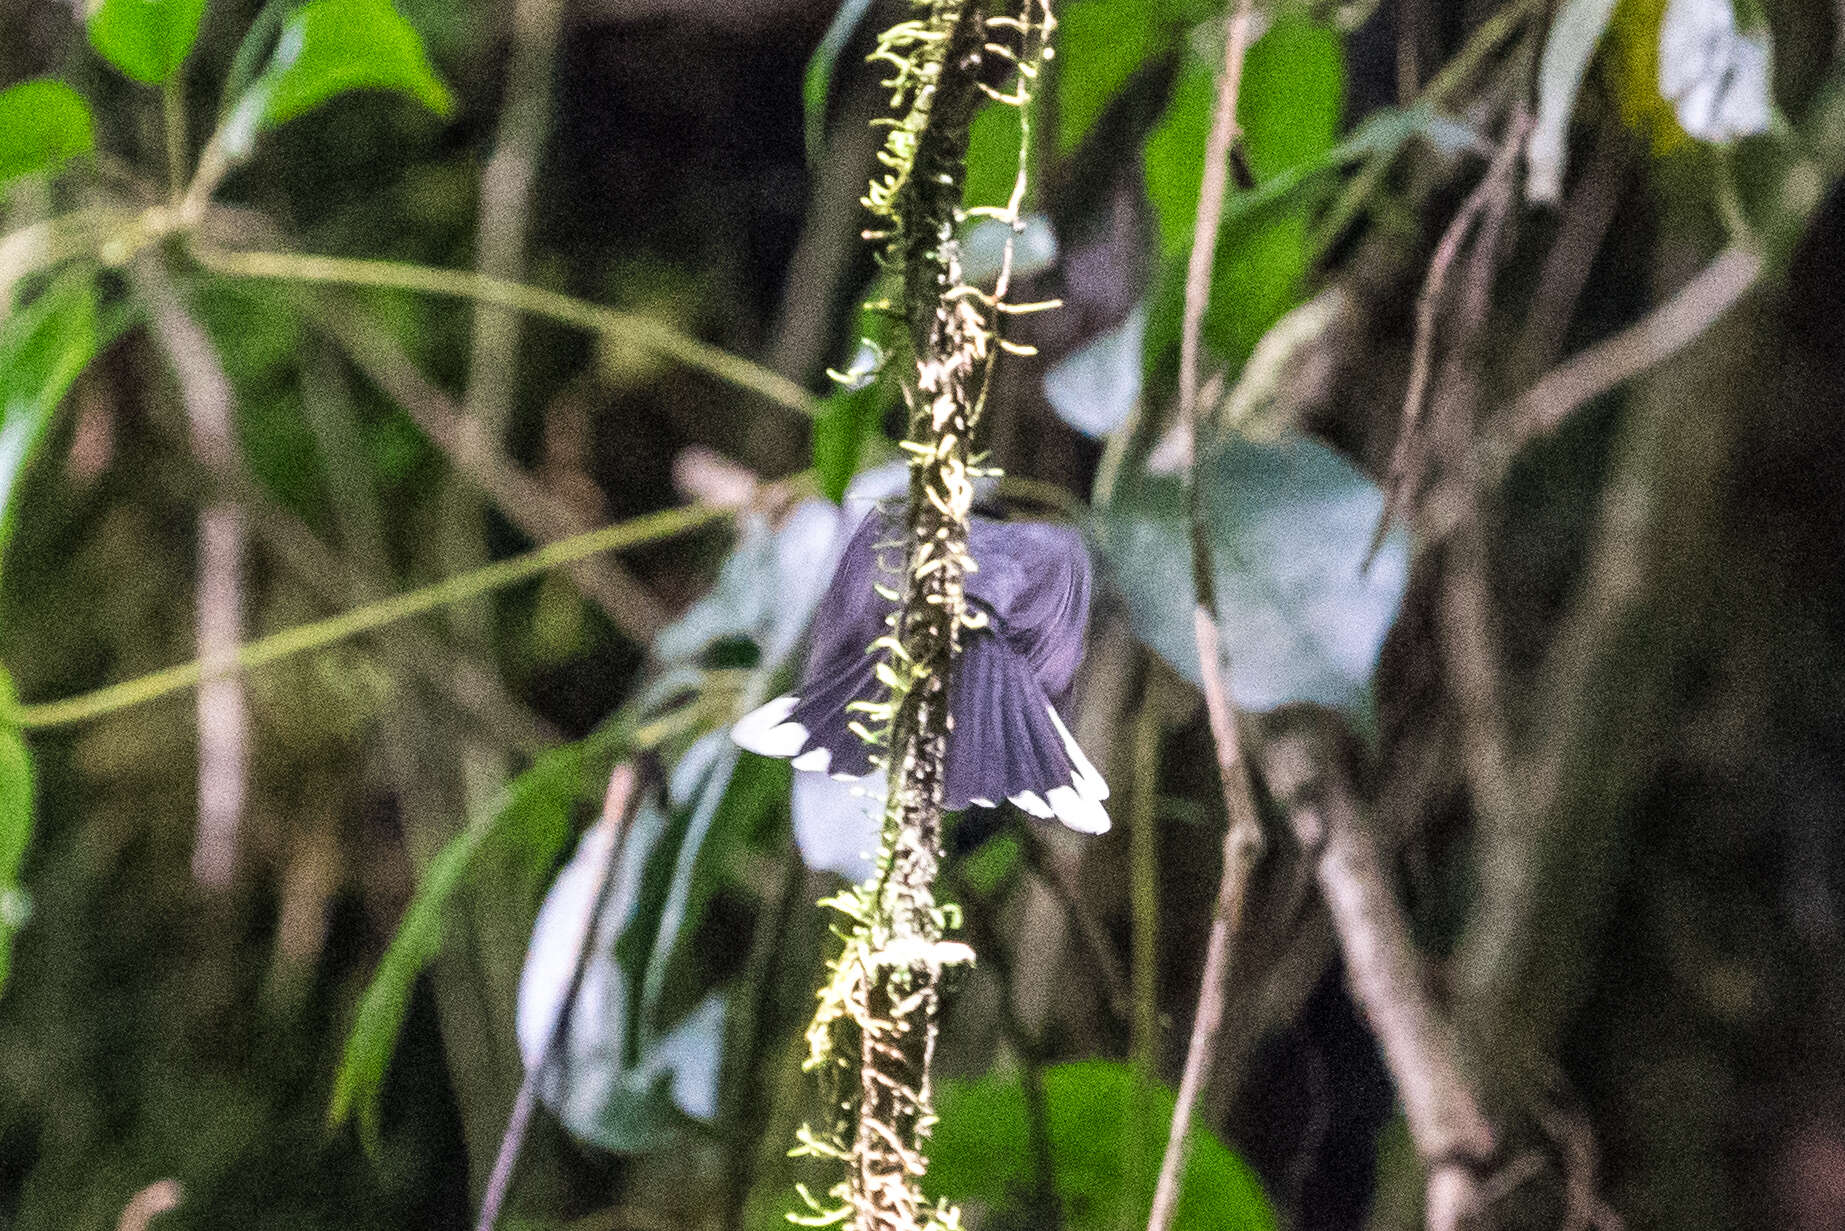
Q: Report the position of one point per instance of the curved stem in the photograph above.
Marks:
(537, 301)
(322, 633)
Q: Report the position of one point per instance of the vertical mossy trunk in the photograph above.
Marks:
(878, 1013)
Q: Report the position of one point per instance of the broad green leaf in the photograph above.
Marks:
(42, 123)
(1568, 47)
(148, 40)
(1292, 96)
(993, 156)
(1099, 44)
(1290, 523)
(44, 346)
(532, 817)
(981, 1152)
(847, 419)
(817, 83)
(15, 827)
(1715, 74)
(330, 47)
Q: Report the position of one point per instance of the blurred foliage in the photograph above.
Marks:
(420, 853)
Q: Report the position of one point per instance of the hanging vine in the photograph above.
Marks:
(873, 1033)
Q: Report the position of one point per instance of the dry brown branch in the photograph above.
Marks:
(160, 1197)
(526, 503)
(1657, 336)
(223, 713)
(1243, 841)
(1303, 761)
(368, 340)
(1488, 196)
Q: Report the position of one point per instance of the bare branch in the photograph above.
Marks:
(1303, 764)
(1243, 841)
(223, 714)
(1656, 337)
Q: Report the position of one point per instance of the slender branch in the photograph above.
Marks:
(617, 807)
(222, 710)
(533, 300)
(173, 111)
(1243, 841)
(1656, 337)
(1303, 764)
(493, 363)
(651, 528)
(531, 506)
(1144, 877)
(1487, 39)
(505, 207)
(1492, 187)
(470, 687)
(1104, 964)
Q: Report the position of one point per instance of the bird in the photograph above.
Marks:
(1008, 740)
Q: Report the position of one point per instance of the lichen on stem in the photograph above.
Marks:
(873, 1034)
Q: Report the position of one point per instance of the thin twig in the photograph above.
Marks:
(505, 207)
(468, 685)
(531, 506)
(617, 807)
(223, 713)
(1104, 963)
(1243, 841)
(651, 528)
(1492, 187)
(493, 364)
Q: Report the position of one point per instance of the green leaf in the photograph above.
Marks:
(42, 123)
(1290, 523)
(146, 39)
(1293, 94)
(532, 819)
(15, 826)
(981, 1151)
(44, 346)
(1099, 45)
(847, 419)
(817, 83)
(330, 47)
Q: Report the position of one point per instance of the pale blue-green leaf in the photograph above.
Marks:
(1568, 47)
(148, 40)
(1094, 389)
(15, 828)
(983, 248)
(42, 123)
(1290, 523)
(837, 822)
(981, 1152)
(608, 1081)
(1715, 75)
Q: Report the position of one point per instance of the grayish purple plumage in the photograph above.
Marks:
(1032, 582)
